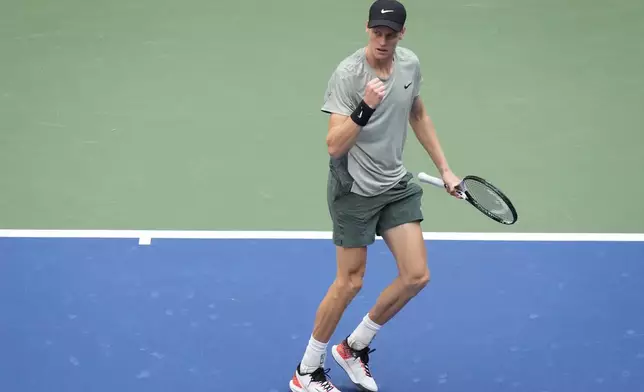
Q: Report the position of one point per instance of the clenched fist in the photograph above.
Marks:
(374, 93)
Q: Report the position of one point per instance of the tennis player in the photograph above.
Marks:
(371, 97)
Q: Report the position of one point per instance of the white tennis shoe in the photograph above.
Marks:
(356, 364)
(318, 381)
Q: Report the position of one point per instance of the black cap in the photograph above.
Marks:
(390, 13)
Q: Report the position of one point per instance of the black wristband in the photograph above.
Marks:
(362, 114)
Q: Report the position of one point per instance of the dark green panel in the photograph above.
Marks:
(205, 115)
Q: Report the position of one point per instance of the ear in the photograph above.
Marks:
(402, 32)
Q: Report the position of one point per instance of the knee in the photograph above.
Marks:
(416, 281)
(348, 286)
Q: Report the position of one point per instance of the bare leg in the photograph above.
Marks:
(351, 266)
(408, 247)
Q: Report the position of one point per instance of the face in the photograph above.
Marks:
(383, 41)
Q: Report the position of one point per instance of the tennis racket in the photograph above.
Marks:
(482, 195)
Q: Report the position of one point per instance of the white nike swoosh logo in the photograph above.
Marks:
(386, 11)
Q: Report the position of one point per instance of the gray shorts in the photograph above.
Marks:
(358, 219)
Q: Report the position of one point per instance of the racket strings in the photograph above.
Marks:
(489, 199)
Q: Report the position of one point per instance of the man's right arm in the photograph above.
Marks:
(343, 132)
(344, 129)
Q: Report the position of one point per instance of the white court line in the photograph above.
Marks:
(145, 236)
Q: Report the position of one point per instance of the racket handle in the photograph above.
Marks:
(437, 182)
(426, 178)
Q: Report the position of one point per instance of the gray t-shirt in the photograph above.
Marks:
(374, 164)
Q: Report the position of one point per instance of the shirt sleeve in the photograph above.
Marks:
(338, 95)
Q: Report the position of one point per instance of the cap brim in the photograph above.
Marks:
(388, 23)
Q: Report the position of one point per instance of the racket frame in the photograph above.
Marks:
(465, 195)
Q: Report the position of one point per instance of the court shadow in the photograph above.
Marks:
(347, 387)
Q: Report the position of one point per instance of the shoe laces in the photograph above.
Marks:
(363, 355)
(320, 376)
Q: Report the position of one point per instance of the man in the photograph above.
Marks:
(371, 97)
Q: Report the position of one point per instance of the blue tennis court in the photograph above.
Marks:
(101, 314)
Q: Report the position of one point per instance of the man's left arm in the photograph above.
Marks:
(425, 132)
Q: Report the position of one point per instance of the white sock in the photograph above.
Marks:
(314, 356)
(363, 334)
